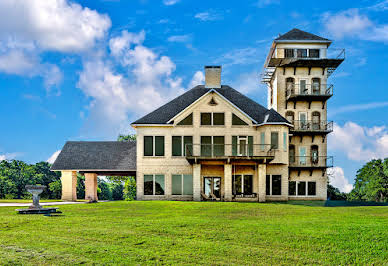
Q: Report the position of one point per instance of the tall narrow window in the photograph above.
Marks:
(159, 145)
(290, 86)
(292, 188)
(206, 146)
(284, 141)
(187, 121)
(237, 121)
(316, 86)
(312, 186)
(302, 156)
(262, 141)
(268, 185)
(187, 145)
(176, 146)
(316, 120)
(314, 154)
(303, 87)
(301, 188)
(148, 146)
(291, 154)
(248, 185)
(219, 145)
(276, 184)
(275, 140)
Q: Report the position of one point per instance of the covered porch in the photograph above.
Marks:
(92, 159)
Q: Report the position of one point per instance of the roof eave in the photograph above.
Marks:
(302, 41)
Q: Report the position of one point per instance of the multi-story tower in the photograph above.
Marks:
(296, 72)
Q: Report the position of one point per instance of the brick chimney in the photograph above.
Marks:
(212, 76)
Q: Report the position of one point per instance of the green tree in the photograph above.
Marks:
(117, 190)
(334, 193)
(130, 188)
(104, 192)
(55, 189)
(19, 173)
(7, 188)
(80, 186)
(371, 182)
(130, 137)
(44, 176)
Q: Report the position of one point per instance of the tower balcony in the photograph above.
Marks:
(315, 92)
(311, 127)
(196, 153)
(310, 162)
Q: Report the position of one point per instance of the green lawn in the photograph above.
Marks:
(196, 232)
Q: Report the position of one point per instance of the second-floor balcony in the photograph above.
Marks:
(309, 162)
(309, 92)
(311, 126)
(257, 152)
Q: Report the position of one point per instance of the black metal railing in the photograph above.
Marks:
(293, 90)
(229, 150)
(311, 161)
(312, 126)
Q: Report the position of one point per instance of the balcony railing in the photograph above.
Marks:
(294, 90)
(312, 126)
(229, 150)
(311, 161)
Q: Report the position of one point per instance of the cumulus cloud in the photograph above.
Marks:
(359, 143)
(53, 157)
(122, 88)
(352, 23)
(198, 79)
(9, 156)
(58, 25)
(337, 179)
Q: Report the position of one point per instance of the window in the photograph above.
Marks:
(180, 148)
(242, 145)
(262, 140)
(215, 119)
(290, 116)
(187, 121)
(316, 86)
(292, 188)
(302, 188)
(303, 123)
(314, 154)
(275, 140)
(268, 185)
(153, 184)
(242, 184)
(206, 119)
(218, 119)
(302, 53)
(314, 53)
(316, 120)
(288, 53)
(276, 184)
(212, 145)
(182, 184)
(311, 189)
(291, 154)
(285, 141)
(237, 121)
(302, 156)
(153, 145)
(303, 86)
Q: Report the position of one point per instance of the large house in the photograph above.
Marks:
(214, 143)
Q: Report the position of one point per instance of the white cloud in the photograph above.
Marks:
(9, 156)
(58, 25)
(122, 88)
(263, 3)
(359, 143)
(351, 23)
(241, 56)
(198, 79)
(209, 15)
(337, 179)
(120, 44)
(170, 2)
(357, 107)
(180, 38)
(53, 157)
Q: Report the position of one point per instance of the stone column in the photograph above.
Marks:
(228, 182)
(262, 181)
(91, 187)
(69, 185)
(196, 182)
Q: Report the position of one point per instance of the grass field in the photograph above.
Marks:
(196, 232)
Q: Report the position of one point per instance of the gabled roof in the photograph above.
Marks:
(97, 155)
(252, 109)
(299, 35)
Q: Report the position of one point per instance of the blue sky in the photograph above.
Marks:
(83, 70)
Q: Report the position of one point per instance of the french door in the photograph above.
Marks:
(212, 185)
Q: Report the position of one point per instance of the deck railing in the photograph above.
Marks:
(312, 126)
(229, 150)
(311, 161)
(293, 90)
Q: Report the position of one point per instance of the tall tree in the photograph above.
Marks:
(130, 137)
(371, 183)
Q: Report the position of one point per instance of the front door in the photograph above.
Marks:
(212, 185)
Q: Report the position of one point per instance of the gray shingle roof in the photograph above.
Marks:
(97, 155)
(166, 112)
(299, 35)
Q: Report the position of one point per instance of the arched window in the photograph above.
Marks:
(314, 154)
(291, 153)
(290, 86)
(316, 120)
(316, 85)
(290, 116)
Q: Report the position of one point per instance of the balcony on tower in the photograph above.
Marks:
(298, 48)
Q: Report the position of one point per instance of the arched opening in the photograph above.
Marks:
(314, 154)
(290, 116)
(316, 85)
(316, 120)
(291, 153)
(290, 86)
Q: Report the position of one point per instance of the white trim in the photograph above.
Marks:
(219, 94)
(303, 41)
(151, 125)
